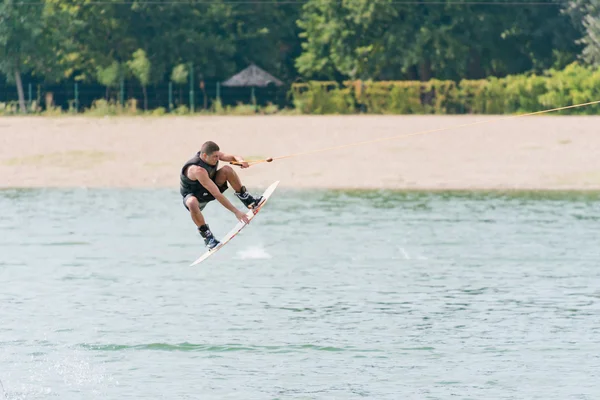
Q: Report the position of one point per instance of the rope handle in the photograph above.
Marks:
(270, 159)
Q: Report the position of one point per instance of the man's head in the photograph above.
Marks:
(209, 153)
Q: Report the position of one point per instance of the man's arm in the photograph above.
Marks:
(202, 176)
(231, 157)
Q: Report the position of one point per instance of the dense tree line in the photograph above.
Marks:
(158, 41)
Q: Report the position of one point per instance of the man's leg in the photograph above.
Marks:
(195, 208)
(192, 204)
(227, 174)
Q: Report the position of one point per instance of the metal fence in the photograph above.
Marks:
(78, 97)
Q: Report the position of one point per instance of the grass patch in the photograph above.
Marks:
(586, 178)
(67, 159)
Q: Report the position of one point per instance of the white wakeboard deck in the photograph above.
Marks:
(240, 225)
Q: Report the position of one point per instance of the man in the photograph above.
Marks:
(201, 183)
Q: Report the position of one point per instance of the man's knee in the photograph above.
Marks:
(223, 176)
(192, 203)
(227, 170)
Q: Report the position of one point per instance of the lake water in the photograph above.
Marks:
(327, 295)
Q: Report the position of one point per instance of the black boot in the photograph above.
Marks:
(246, 198)
(209, 239)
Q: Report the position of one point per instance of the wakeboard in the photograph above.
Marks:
(240, 225)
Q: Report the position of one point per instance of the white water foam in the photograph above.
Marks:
(254, 253)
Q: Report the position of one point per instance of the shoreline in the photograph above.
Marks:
(479, 191)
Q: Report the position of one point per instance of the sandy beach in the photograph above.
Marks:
(537, 152)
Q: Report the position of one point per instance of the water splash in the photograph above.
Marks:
(254, 253)
(54, 373)
(4, 395)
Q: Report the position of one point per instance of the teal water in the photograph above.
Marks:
(327, 295)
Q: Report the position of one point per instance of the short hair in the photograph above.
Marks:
(209, 147)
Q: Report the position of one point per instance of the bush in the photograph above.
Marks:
(10, 108)
(323, 98)
(102, 107)
(181, 110)
(392, 97)
(573, 85)
(157, 112)
(525, 93)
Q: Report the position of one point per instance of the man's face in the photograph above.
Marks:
(211, 159)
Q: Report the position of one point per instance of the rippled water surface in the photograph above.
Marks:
(336, 295)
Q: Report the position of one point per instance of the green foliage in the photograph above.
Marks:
(179, 74)
(139, 65)
(410, 58)
(522, 93)
(109, 76)
(217, 107)
(323, 98)
(182, 110)
(29, 43)
(392, 97)
(102, 107)
(573, 85)
(591, 39)
(9, 108)
(160, 111)
(241, 109)
(385, 40)
(344, 38)
(441, 97)
(576, 84)
(25, 39)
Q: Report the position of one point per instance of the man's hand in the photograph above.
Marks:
(242, 217)
(242, 164)
(240, 161)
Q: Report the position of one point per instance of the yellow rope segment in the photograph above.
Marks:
(417, 133)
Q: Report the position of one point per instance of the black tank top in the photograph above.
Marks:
(187, 185)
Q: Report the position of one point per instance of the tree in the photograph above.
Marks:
(591, 39)
(109, 76)
(28, 43)
(179, 75)
(201, 33)
(341, 37)
(140, 67)
(98, 35)
(268, 34)
(384, 39)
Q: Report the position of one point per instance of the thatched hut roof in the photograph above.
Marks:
(252, 76)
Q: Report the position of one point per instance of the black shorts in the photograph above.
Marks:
(203, 198)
